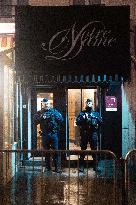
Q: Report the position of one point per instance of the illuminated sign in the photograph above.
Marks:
(111, 103)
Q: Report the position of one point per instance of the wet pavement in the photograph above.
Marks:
(34, 187)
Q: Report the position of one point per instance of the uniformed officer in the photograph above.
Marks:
(89, 122)
(49, 119)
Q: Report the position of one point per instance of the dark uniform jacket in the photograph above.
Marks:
(89, 119)
(49, 120)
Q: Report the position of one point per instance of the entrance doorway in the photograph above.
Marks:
(57, 98)
(70, 136)
(76, 103)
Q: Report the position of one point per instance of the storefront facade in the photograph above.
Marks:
(69, 60)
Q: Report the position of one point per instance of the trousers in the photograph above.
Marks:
(50, 140)
(90, 137)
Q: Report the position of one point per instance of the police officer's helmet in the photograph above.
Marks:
(45, 100)
(89, 100)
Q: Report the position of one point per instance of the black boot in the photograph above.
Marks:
(57, 165)
(58, 170)
(81, 165)
(95, 163)
(47, 163)
(47, 168)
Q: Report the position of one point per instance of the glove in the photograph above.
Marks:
(46, 116)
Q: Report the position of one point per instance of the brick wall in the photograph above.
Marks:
(50, 2)
(128, 88)
(132, 4)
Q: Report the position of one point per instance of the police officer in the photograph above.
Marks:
(89, 122)
(49, 119)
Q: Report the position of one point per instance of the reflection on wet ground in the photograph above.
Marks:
(49, 188)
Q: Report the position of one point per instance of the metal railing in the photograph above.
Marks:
(130, 178)
(26, 169)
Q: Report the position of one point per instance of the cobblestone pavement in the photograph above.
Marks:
(49, 188)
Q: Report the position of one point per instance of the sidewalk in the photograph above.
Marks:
(35, 187)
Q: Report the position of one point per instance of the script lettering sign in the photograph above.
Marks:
(74, 39)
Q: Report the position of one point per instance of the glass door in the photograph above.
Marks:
(76, 103)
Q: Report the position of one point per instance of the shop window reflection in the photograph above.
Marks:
(8, 121)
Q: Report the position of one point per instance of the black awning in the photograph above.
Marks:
(73, 40)
(67, 80)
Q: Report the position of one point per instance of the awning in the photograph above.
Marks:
(44, 80)
(86, 40)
